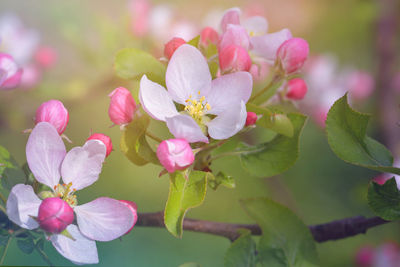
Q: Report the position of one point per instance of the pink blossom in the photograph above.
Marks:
(122, 106)
(365, 256)
(31, 76)
(234, 58)
(251, 118)
(172, 45)
(46, 56)
(175, 154)
(10, 73)
(234, 35)
(297, 89)
(292, 54)
(55, 215)
(133, 207)
(106, 140)
(360, 84)
(54, 112)
(140, 12)
(208, 36)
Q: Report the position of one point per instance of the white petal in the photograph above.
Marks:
(156, 100)
(80, 251)
(82, 165)
(256, 25)
(44, 152)
(229, 123)
(22, 203)
(184, 126)
(266, 46)
(104, 219)
(228, 90)
(231, 16)
(187, 74)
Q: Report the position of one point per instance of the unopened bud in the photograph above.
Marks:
(172, 45)
(55, 215)
(208, 36)
(46, 56)
(106, 140)
(175, 154)
(133, 207)
(292, 54)
(122, 106)
(53, 112)
(297, 89)
(251, 118)
(234, 58)
(10, 74)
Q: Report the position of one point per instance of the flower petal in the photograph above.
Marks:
(22, 203)
(82, 165)
(228, 123)
(155, 100)
(231, 16)
(229, 90)
(187, 74)
(44, 152)
(266, 46)
(80, 251)
(104, 219)
(183, 126)
(235, 35)
(256, 25)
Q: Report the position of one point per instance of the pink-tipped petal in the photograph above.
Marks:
(104, 219)
(54, 112)
(122, 106)
(82, 165)
(235, 35)
(80, 251)
(45, 151)
(172, 45)
(175, 154)
(267, 45)
(22, 203)
(231, 16)
(133, 208)
(234, 58)
(184, 126)
(208, 36)
(106, 140)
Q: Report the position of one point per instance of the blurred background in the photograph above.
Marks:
(69, 49)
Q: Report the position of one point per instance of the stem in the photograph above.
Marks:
(269, 85)
(152, 136)
(221, 155)
(3, 198)
(5, 250)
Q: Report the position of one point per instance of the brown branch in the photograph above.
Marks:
(322, 232)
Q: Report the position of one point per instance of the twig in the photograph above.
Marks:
(5, 250)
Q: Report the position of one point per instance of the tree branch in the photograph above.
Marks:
(322, 232)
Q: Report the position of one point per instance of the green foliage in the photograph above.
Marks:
(134, 144)
(190, 264)
(26, 245)
(346, 130)
(184, 193)
(221, 179)
(274, 157)
(242, 252)
(384, 199)
(285, 240)
(195, 41)
(10, 172)
(132, 63)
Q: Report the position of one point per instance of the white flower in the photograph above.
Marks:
(216, 107)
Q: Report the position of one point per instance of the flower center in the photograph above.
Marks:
(197, 108)
(65, 192)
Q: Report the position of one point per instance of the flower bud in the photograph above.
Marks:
(55, 215)
(106, 140)
(122, 106)
(251, 118)
(53, 112)
(292, 54)
(10, 74)
(297, 89)
(175, 154)
(234, 58)
(208, 36)
(31, 76)
(172, 45)
(46, 56)
(133, 207)
(360, 85)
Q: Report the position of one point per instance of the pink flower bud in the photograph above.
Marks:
(175, 154)
(251, 118)
(10, 74)
(208, 36)
(133, 207)
(360, 85)
(122, 106)
(53, 112)
(235, 35)
(31, 76)
(297, 89)
(234, 58)
(46, 56)
(106, 140)
(55, 215)
(172, 45)
(292, 54)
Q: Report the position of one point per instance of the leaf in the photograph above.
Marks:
(184, 193)
(195, 41)
(221, 179)
(285, 240)
(274, 157)
(134, 144)
(346, 131)
(132, 63)
(10, 172)
(384, 200)
(26, 245)
(242, 252)
(190, 264)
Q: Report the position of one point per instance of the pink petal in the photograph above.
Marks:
(183, 126)
(45, 151)
(231, 16)
(104, 219)
(267, 45)
(235, 35)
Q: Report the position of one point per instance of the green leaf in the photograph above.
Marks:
(26, 245)
(195, 41)
(384, 200)
(190, 264)
(279, 123)
(242, 252)
(184, 193)
(346, 131)
(285, 240)
(134, 144)
(10, 172)
(274, 157)
(221, 179)
(132, 63)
